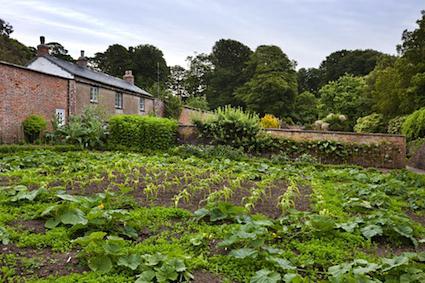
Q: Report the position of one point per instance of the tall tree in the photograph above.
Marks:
(309, 80)
(197, 77)
(59, 51)
(148, 65)
(397, 85)
(348, 96)
(177, 80)
(5, 28)
(273, 85)
(11, 50)
(353, 62)
(228, 58)
(114, 61)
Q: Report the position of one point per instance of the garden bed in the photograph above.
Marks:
(113, 216)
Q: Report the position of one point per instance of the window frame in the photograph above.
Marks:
(142, 102)
(119, 100)
(94, 94)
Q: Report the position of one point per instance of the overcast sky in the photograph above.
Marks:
(307, 30)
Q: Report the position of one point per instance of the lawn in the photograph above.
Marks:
(181, 215)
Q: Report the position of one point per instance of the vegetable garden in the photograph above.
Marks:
(198, 214)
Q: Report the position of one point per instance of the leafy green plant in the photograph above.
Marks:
(373, 123)
(197, 102)
(4, 236)
(21, 193)
(87, 130)
(33, 126)
(229, 126)
(219, 212)
(394, 125)
(414, 125)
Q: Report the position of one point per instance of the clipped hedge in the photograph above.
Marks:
(137, 132)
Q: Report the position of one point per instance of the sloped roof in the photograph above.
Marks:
(96, 76)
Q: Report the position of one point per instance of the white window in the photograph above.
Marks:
(118, 100)
(94, 94)
(142, 104)
(60, 117)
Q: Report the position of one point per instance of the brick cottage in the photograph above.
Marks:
(50, 87)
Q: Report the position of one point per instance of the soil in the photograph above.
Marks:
(385, 248)
(43, 262)
(267, 205)
(35, 226)
(415, 217)
(202, 276)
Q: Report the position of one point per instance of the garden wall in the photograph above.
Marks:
(189, 112)
(369, 150)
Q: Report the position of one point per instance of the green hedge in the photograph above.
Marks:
(141, 132)
(14, 148)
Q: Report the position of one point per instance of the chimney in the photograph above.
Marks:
(82, 61)
(128, 76)
(42, 48)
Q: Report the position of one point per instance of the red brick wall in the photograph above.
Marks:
(24, 92)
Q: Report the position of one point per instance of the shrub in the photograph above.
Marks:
(172, 103)
(269, 121)
(197, 102)
(373, 123)
(141, 132)
(414, 125)
(33, 126)
(87, 130)
(229, 126)
(332, 122)
(394, 125)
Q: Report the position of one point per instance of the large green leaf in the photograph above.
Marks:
(265, 276)
(371, 230)
(131, 261)
(146, 277)
(72, 216)
(244, 253)
(101, 263)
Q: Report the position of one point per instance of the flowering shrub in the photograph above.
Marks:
(269, 121)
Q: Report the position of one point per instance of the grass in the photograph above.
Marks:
(171, 216)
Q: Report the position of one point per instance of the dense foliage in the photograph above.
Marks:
(141, 132)
(414, 125)
(33, 126)
(373, 123)
(332, 122)
(87, 130)
(171, 217)
(347, 96)
(273, 85)
(229, 126)
(394, 125)
(197, 102)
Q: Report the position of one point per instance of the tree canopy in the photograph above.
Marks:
(273, 85)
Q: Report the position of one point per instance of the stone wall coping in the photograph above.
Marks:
(321, 132)
(334, 133)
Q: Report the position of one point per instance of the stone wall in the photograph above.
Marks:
(394, 157)
(106, 100)
(418, 159)
(24, 92)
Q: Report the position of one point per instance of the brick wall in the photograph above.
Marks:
(24, 92)
(188, 113)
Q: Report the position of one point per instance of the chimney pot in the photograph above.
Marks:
(128, 76)
(42, 48)
(82, 61)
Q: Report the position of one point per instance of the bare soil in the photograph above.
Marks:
(41, 262)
